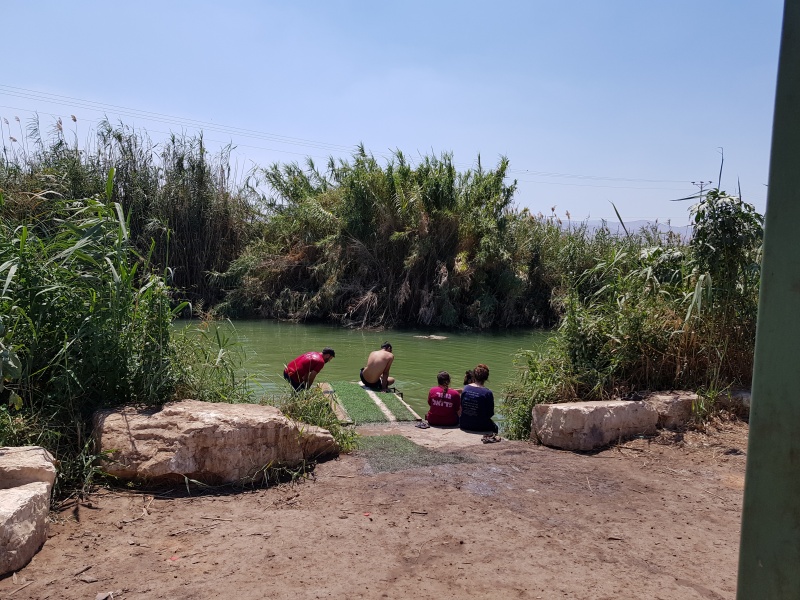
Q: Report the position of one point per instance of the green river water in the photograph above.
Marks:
(269, 345)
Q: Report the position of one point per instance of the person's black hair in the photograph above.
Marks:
(386, 346)
(443, 378)
(329, 350)
(469, 377)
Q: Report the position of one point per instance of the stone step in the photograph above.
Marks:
(27, 474)
(23, 524)
(25, 464)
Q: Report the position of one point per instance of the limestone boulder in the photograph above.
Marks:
(589, 425)
(27, 474)
(674, 408)
(25, 464)
(23, 523)
(208, 442)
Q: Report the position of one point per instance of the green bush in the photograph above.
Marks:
(313, 407)
(208, 365)
(366, 244)
(193, 204)
(85, 325)
(649, 312)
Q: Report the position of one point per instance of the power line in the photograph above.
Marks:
(35, 95)
(161, 118)
(96, 121)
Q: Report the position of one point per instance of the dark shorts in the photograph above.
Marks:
(489, 426)
(296, 385)
(377, 387)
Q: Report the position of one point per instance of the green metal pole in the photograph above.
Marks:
(769, 554)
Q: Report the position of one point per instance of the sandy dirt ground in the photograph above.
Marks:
(652, 518)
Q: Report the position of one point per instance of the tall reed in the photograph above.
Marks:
(647, 312)
(87, 321)
(367, 244)
(175, 193)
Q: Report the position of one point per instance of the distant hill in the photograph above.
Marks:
(685, 231)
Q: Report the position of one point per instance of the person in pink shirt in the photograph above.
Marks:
(300, 373)
(444, 401)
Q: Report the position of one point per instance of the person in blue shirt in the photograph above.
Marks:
(477, 403)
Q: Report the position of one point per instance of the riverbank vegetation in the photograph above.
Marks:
(85, 324)
(651, 312)
(93, 268)
(372, 245)
(313, 406)
(87, 300)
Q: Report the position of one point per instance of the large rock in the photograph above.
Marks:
(590, 425)
(23, 523)
(674, 408)
(25, 464)
(27, 474)
(209, 442)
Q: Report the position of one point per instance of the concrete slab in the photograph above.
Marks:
(434, 438)
(25, 464)
(379, 403)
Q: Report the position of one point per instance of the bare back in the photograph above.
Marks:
(378, 365)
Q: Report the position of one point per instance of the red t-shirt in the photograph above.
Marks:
(299, 369)
(444, 406)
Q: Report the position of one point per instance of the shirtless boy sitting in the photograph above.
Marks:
(376, 374)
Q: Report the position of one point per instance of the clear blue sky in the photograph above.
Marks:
(593, 101)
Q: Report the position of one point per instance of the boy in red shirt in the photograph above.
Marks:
(300, 373)
(445, 402)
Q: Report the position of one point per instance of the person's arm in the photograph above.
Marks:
(490, 404)
(385, 375)
(313, 370)
(457, 402)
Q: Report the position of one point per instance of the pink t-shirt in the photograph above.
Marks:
(444, 405)
(301, 366)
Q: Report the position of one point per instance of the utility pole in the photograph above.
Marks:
(769, 552)
(702, 185)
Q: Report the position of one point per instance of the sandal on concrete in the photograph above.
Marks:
(492, 438)
(422, 425)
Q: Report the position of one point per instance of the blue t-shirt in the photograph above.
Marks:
(477, 408)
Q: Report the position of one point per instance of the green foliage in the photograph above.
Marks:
(647, 312)
(726, 250)
(362, 243)
(85, 325)
(10, 365)
(209, 365)
(75, 299)
(176, 194)
(726, 244)
(313, 407)
(368, 245)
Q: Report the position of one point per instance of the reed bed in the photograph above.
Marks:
(93, 269)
